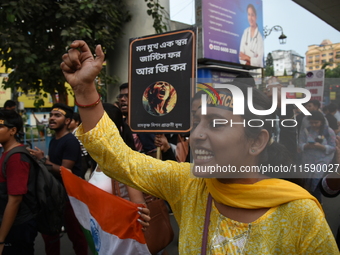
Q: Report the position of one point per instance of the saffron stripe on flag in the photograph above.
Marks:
(106, 216)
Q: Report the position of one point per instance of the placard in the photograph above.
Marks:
(162, 69)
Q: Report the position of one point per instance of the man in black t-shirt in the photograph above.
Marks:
(64, 150)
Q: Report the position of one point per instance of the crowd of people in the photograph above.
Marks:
(237, 213)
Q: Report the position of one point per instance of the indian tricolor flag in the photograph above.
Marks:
(109, 222)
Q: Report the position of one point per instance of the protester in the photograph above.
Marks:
(317, 146)
(311, 105)
(144, 142)
(40, 124)
(250, 213)
(285, 133)
(10, 105)
(332, 121)
(18, 228)
(64, 150)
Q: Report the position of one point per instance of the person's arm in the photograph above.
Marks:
(332, 180)
(330, 147)
(162, 142)
(9, 216)
(80, 69)
(135, 196)
(257, 58)
(303, 140)
(313, 234)
(39, 154)
(242, 48)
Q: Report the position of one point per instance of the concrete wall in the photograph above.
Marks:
(140, 25)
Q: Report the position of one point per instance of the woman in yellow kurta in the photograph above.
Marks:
(249, 213)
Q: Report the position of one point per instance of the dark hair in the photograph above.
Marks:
(325, 109)
(116, 116)
(316, 115)
(332, 107)
(66, 108)
(245, 78)
(76, 117)
(10, 103)
(124, 86)
(253, 8)
(12, 119)
(315, 102)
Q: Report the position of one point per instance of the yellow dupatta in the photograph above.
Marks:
(266, 193)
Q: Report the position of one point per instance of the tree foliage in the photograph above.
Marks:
(34, 34)
(332, 76)
(159, 15)
(269, 70)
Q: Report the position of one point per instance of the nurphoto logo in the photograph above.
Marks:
(235, 102)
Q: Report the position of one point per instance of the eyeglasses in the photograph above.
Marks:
(122, 95)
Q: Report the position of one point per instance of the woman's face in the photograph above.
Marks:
(222, 145)
(315, 124)
(251, 17)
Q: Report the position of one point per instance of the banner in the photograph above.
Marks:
(162, 69)
(315, 84)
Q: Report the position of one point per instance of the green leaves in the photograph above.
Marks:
(34, 34)
(156, 11)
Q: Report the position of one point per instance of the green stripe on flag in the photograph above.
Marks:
(89, 240)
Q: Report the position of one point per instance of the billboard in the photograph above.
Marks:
(231, 31)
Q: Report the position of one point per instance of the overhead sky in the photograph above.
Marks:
(301, 27)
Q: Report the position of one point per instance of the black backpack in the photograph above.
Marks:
(50, 194)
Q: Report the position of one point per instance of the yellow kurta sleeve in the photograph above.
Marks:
(162, 179)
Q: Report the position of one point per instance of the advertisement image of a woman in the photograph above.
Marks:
(251, 47)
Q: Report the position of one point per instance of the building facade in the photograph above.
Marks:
(319, 55)
(287, 62)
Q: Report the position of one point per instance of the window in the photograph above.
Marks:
(310, 57)
(311, 68)
(317, 56)
(330, 54)
(317, 67)
(331, 60)
(324, 55)
(323, 61)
